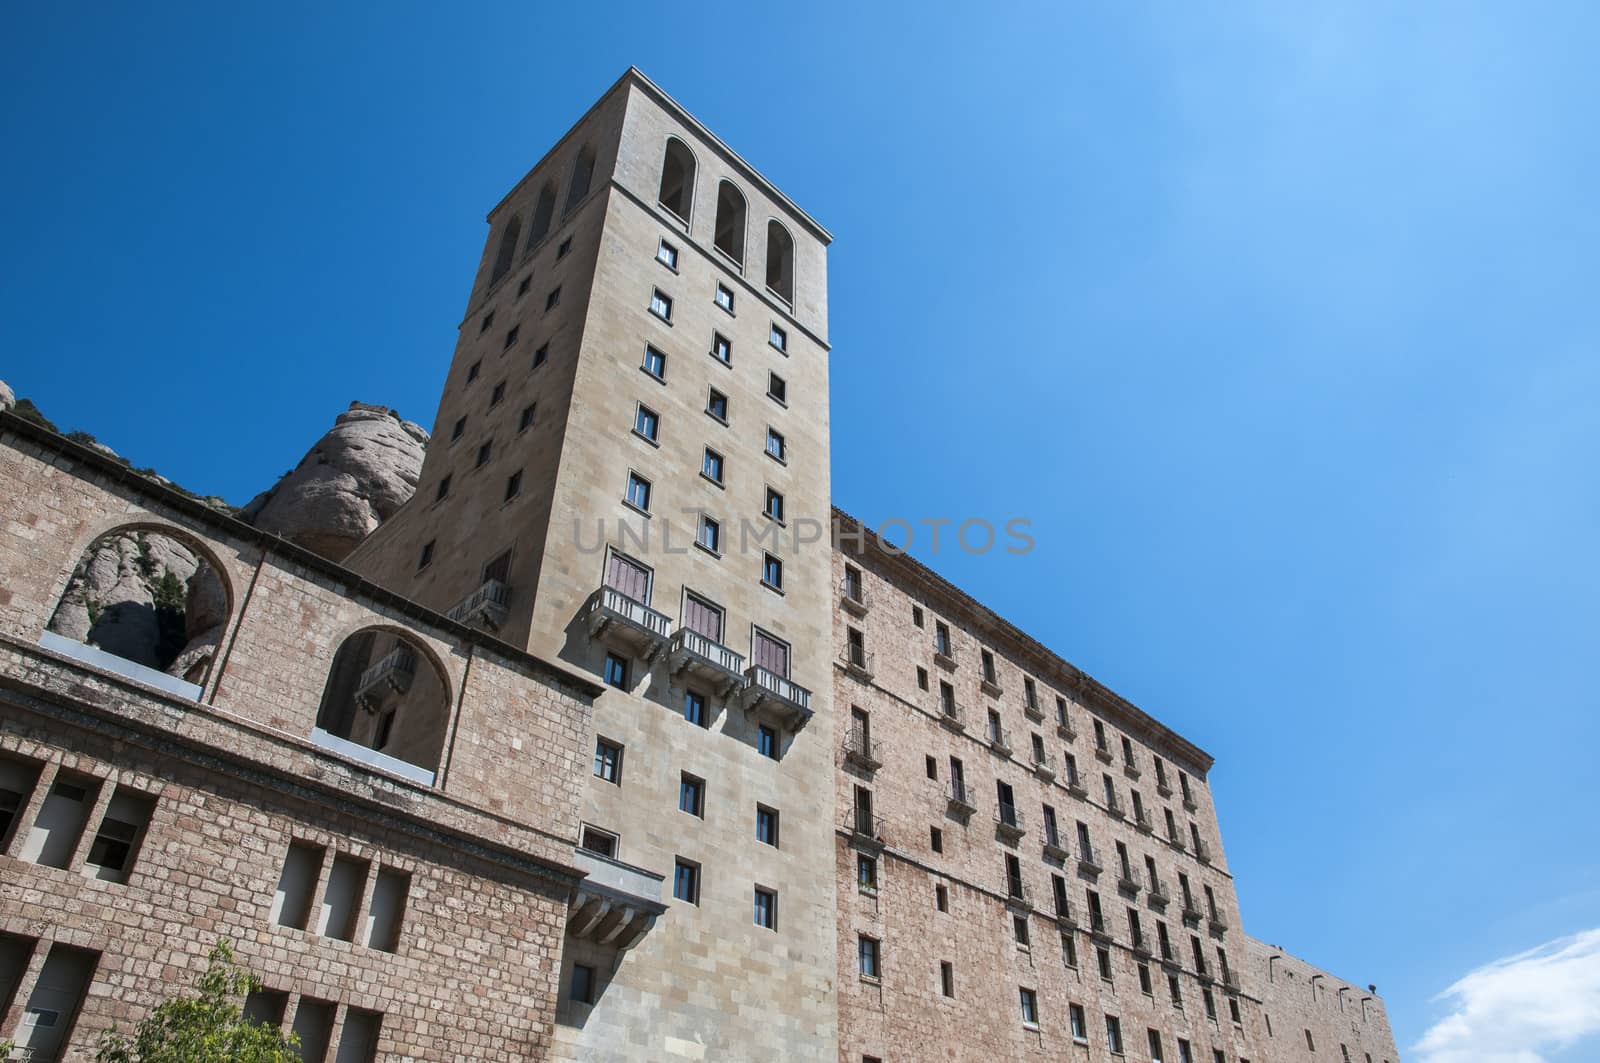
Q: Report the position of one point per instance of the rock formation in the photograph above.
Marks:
(7, 398)
(354, 478)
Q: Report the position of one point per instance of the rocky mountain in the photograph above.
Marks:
(352, 479)
(7, 398)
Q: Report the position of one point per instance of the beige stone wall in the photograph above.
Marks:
(1345, 1021)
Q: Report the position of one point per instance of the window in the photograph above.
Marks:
(1080, 1028)
(608, 761)
(661, 305)
(724, 297)
(667, 255)
(655, 363)
(1114, 1034)
(1030, 1007)
(772, 572)
(525, 420)
(766, 913)
(522, 288)
(767, 742)
(1233, 1013)
(1145, 986)
(686, 881)
(1069, 951)
(595, 840)
(616, 671)
(582, 174)
(728, 234)
(988, 666)
(710, 535)
(778, 338)
(638, 495)
(542, 212)
(513, 485)
(717, 405)
(1175, 991)
(694, 707)
(1030, 693)
(1310, 1044)
(711, 466)
(426, 558)
(459, 427)
(941, 638)
(1211, 1003)
(677, 179)
(692, 795)
(116, 841)
(476, 368)
(511, 339)
(647, 423)
(936, 839)
(582, 988)
(916, 615)
(947, 978)
(488, 320)
(722, 348)
(552, 300)
(508, 249)
(541, 355)
(1103, 956)
(767, 825)
(941, 898)
(1019, 929)
(866, 872)
(1155, 1046)
(780, 261)
(1185, 1055)
(775, 445)
(922, 678)
(777, 389)
(932, 765)
(444, 490)
(867, 956)
(485, 452)
(564, 249)
(774, 510)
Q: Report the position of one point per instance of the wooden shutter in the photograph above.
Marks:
(772, 654)
(701, 616)
(628, 576)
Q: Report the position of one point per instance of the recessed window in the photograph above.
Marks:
(513, 485)
(498, 395)
(667, 255)
(947, 978)
(936, 839)
(541, 355)
(1030, 1007)
(916, 615)
(608, 761)
(866, 873)
(655, 363)
(525, 419)
(459, 427)
(512, 334)
(867, 956)
(595, 840)
(692, 795)
(767, 742)
(647, 423)
(616, 671)
(779, 339)
(686, 881)
(661, 305)
(774, 508)
(638, 495)
(772, 572)
(522, 288)
(766, 909)
(694, 707)
(775, 444)
(711, 466)
(922, 678)
(488, 320)
(427, 555)
(710, 534)
(725, 297)
(564, 249)
(717, 405)
(1080, 1028)
(485, 452)
(1103, 956)
(722, 349)
(552, 300)
(767, 825)
(582, 988)
(777, 389)
(1114, 1034)
(444, 490)
(472, 373)
(1019, 929)
(941, 898)
(930, 765)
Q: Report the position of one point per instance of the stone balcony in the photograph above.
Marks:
(615, 904)
(1009, 824)
(857, 663)
(485, 606)
(699, 657)
(770, 694)
(861, 750)
(391, 674)
(628, 621)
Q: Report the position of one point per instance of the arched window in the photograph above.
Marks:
(729, 236)
(780, 261)
(544, 212)
(149, 597)
(508, 249)
(385, 694)
(677, 179)
(582, 174)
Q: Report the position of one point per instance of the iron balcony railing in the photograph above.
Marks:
(853, 598)
(863, 824)
(860, 749)
(1009, 819)
(858, 661)
(960, 796)
(952, 715)
(1053, 846)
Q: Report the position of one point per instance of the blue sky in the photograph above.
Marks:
(1278, 325)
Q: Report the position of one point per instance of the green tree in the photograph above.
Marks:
(209, 1028)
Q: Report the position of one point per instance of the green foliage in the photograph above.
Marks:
(29, 412)
(169, 592)
(209, 1028)
(146, 563)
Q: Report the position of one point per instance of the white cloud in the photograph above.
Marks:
(1516, 1009)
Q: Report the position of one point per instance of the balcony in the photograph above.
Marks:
(1018, 898)
(1008, 823)
(1130, 769)
(616, 904)
(1191, 914)
(1202, 851)
(1114, 807)
(857, 662)
(1157, 894)
(1163, 787)
(1141, 820)
(1075, 786)
(990, 685)
(1053, 847)
(853, 600)
(1128, 881)
(1066, 732)
(1103, 753)
(1063, 914)
(1097, 926)
(861, 750)
(1087, 861)
(486, 605)
(866, 830)
(998, 743)
(1217, 923)
(952, 716)
(628, 621)
(392, 674)
(1032, 710)
(1189, 802)
(1141, 943)
(693, 654)
(1043, 768)
(767, 692)
(960, 798)
(944, 656)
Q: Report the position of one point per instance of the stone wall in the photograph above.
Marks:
(1344, 1021)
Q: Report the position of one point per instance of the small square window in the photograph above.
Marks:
(541, 355)
(694, 707)
(488, 320)
(774, 508)
(710, 534)
(616, 672)
(525, 420)
(512, 334)
(767, 825)
(459, 427)
(552, 300)
(717, 405)
(498, 395)
(582, 989)
(427, 555)
(779, 339)
(608, 761)
(655, 363)
(564, 249)
(775, 445)
(772, 572)
(692, 795)
(722, 349)
(444, 490)
(485, 452)
(725, 297)
(667, 255)
(777, 390)
(472, 373)
(936, 839)
(638, 495)
(766, 909)
(711, 466)
(522, 288)
(647, 423)
(513, 485)
(661, 305)
(767, 742)
(686, 881)
(595, 840)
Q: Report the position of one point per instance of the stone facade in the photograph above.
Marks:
(1312, 1015)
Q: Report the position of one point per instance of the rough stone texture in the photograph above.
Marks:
(1343, 1020)
(8, 398)
(352, 480)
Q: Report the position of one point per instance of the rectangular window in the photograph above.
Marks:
(17, 781)
(866, 873)
(582, 988)
(1019, 929)
(686, 881)
(867, 956)
(916, 615)
(1114, 1034)
(941, 898)
(291, 901)
(722, 348)
(476, 368)
(511, 339)
(488, 320)
(525, 421)
(661, 305)
(775, 445)
(552, 300)
(936, 839)
(710, 534)
(513, 485)
(541, 356)
(711, 466)
(346, 881)
(1080, 1028)
(1030, 1007)
(772, 572)
(767, 742)
(595, 840)
(767, 825)
(498, 395)
(774, 508)
(647, 423)
(717, 405)
(485, 452)
(947, 978)
(389, 894)
(779, 339)
(1103, 956)
(922, 678)
(564, 249)
(655, 363)
(116, 842)
(667, 255)
(526, 283)
(988, 666)
(616, 671)
(694, 707)
(725, 297)
(1185, 1054)
(426, 557)
(777, 389)
(1155, 1046)
(692, 795)
(608, 761)
(1175, 991)
(638, 495)
(56, 830)
(459, 427)
(766, 909)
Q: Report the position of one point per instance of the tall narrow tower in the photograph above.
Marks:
(629, 471)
